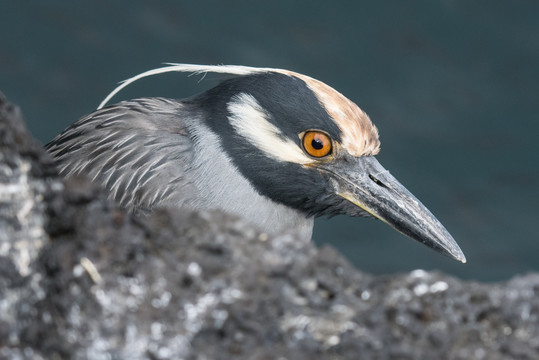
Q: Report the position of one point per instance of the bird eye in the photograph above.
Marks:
(317, 144)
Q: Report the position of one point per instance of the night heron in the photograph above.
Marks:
(272, 146)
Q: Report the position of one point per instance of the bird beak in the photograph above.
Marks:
(365, 183)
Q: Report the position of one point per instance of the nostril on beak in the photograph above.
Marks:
(377, 182)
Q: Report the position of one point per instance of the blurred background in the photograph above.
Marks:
(452, 85)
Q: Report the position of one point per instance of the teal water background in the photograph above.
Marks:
(453, 87)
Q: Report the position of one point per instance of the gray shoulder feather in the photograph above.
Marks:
(138, 150)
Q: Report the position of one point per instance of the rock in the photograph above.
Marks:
(82, 279)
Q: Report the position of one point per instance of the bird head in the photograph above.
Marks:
(305, 145)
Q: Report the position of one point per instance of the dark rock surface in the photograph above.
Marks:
(81, 279)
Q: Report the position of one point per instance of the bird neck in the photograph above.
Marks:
(222, 186)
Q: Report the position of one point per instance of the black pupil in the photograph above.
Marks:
(317, 144)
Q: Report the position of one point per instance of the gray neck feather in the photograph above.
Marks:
(156, 152)
(221, 185)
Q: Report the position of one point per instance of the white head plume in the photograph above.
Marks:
(237, 70)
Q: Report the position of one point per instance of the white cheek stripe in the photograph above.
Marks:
(250, 121)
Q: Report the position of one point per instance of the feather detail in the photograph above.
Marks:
(237, 70)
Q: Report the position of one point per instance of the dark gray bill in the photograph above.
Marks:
(371, 187)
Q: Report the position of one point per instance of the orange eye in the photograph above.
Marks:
(317, 144)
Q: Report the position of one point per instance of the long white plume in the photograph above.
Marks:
(192, 68)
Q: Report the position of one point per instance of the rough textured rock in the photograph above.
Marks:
(81, 279)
